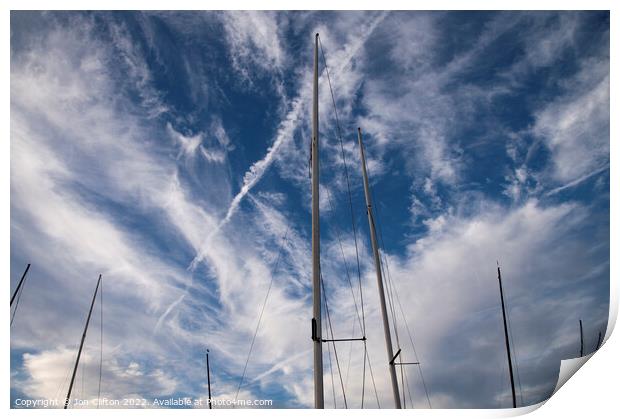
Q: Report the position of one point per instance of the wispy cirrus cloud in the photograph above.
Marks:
(254, 41)
(575, 126)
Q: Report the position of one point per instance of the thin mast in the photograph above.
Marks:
(375, 249)
(512, 380)
(77, 361)
(209, 381)
(316, 252)
(581, 337)
(19, 285)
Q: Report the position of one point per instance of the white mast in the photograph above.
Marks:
(316, 253)
(375, 250)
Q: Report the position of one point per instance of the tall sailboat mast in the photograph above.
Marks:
(512, 379)
(375, 250)
(77, 361)
(316, 252)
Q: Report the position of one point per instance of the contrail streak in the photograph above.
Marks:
(285, 132)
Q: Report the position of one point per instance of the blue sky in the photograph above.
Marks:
(169, 152)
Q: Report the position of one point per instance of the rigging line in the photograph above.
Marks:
(344, 261)
(100, 345)
(331, 371)
(19, 295)
(377, 226)
(514, 355)
(357, 258)
(261, 312)
(63, 381)
(390, 298)
(514, 350)
(415, 352)
(402, 380)
(364, 374)
(408, 389)
(500, 385)
(430, 406)
(346, 376)
(392, 291)
(392, 304)
(513, 346)
(372, 377)
(346, 172)
(361, 320)
(389, 276)
(387, 282)
(504, 369)
(329, 321)
(352, 222)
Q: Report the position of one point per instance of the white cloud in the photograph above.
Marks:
(254, 41)
(66, 134)
(575, 126)
(188, 144)
(138, 70)
(448, 284)
(286, 129)
(49, 368)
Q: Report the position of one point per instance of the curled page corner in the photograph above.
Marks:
(568, 367)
